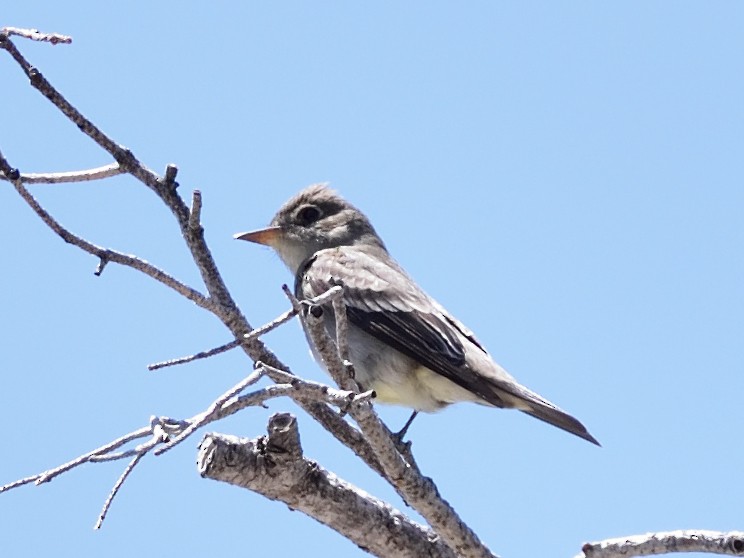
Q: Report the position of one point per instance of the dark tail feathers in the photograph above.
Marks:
(562, 420)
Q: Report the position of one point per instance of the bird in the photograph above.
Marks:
(403, 344)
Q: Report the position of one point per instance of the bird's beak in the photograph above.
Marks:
(268, 236)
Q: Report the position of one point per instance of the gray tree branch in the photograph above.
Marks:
(275, 467)
(712, 542)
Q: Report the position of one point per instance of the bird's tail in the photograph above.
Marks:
(553, 415)
(531, 403)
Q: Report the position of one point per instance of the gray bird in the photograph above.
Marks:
(403, 343)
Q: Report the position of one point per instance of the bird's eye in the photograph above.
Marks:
(308, 215)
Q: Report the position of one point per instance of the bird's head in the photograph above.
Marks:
(315, 219)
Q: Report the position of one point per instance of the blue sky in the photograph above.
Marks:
(581, 161)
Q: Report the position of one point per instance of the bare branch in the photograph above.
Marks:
(313, 322)
(123, 156)
(342, 343)
(165, 430)
(196, 356)
(212, 413)
(98, 173)
(35, 35)
(115, 490)
(308, 390)
(165, 433)
(274, 466)
(713, 542)
(105, 254)
(254, 334)
(100, 454)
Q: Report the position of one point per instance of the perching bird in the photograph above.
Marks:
(402, 343)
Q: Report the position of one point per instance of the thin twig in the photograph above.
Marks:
(104, 453)
(35, 35)
(287, 385)
(341, 374)
(212, 412)
(342, 343)
(105, 254)
(46, 476)
(330, 294)
(314, 323)
(342, 328)
(98, 173)
(115, 490)
(323, 298)
(255, 334)
(165, 430)
(160, 434)
(99, 452)
(196, 356)
(339, 398)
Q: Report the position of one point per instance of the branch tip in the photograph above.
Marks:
(195, 213)
(171, 171)
(117, 485)
(102, 262)
(34, 35)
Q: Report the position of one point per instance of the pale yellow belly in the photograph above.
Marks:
(421, 389)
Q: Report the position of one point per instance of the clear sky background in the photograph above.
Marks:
(565, 177)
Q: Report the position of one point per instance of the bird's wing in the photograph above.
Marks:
(382, 300)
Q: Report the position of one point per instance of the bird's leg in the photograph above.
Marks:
(399, 435)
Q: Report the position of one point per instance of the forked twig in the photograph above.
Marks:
(331, 294)
(105, 254)
(212, 413)
(164, 433)
(117, 485)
